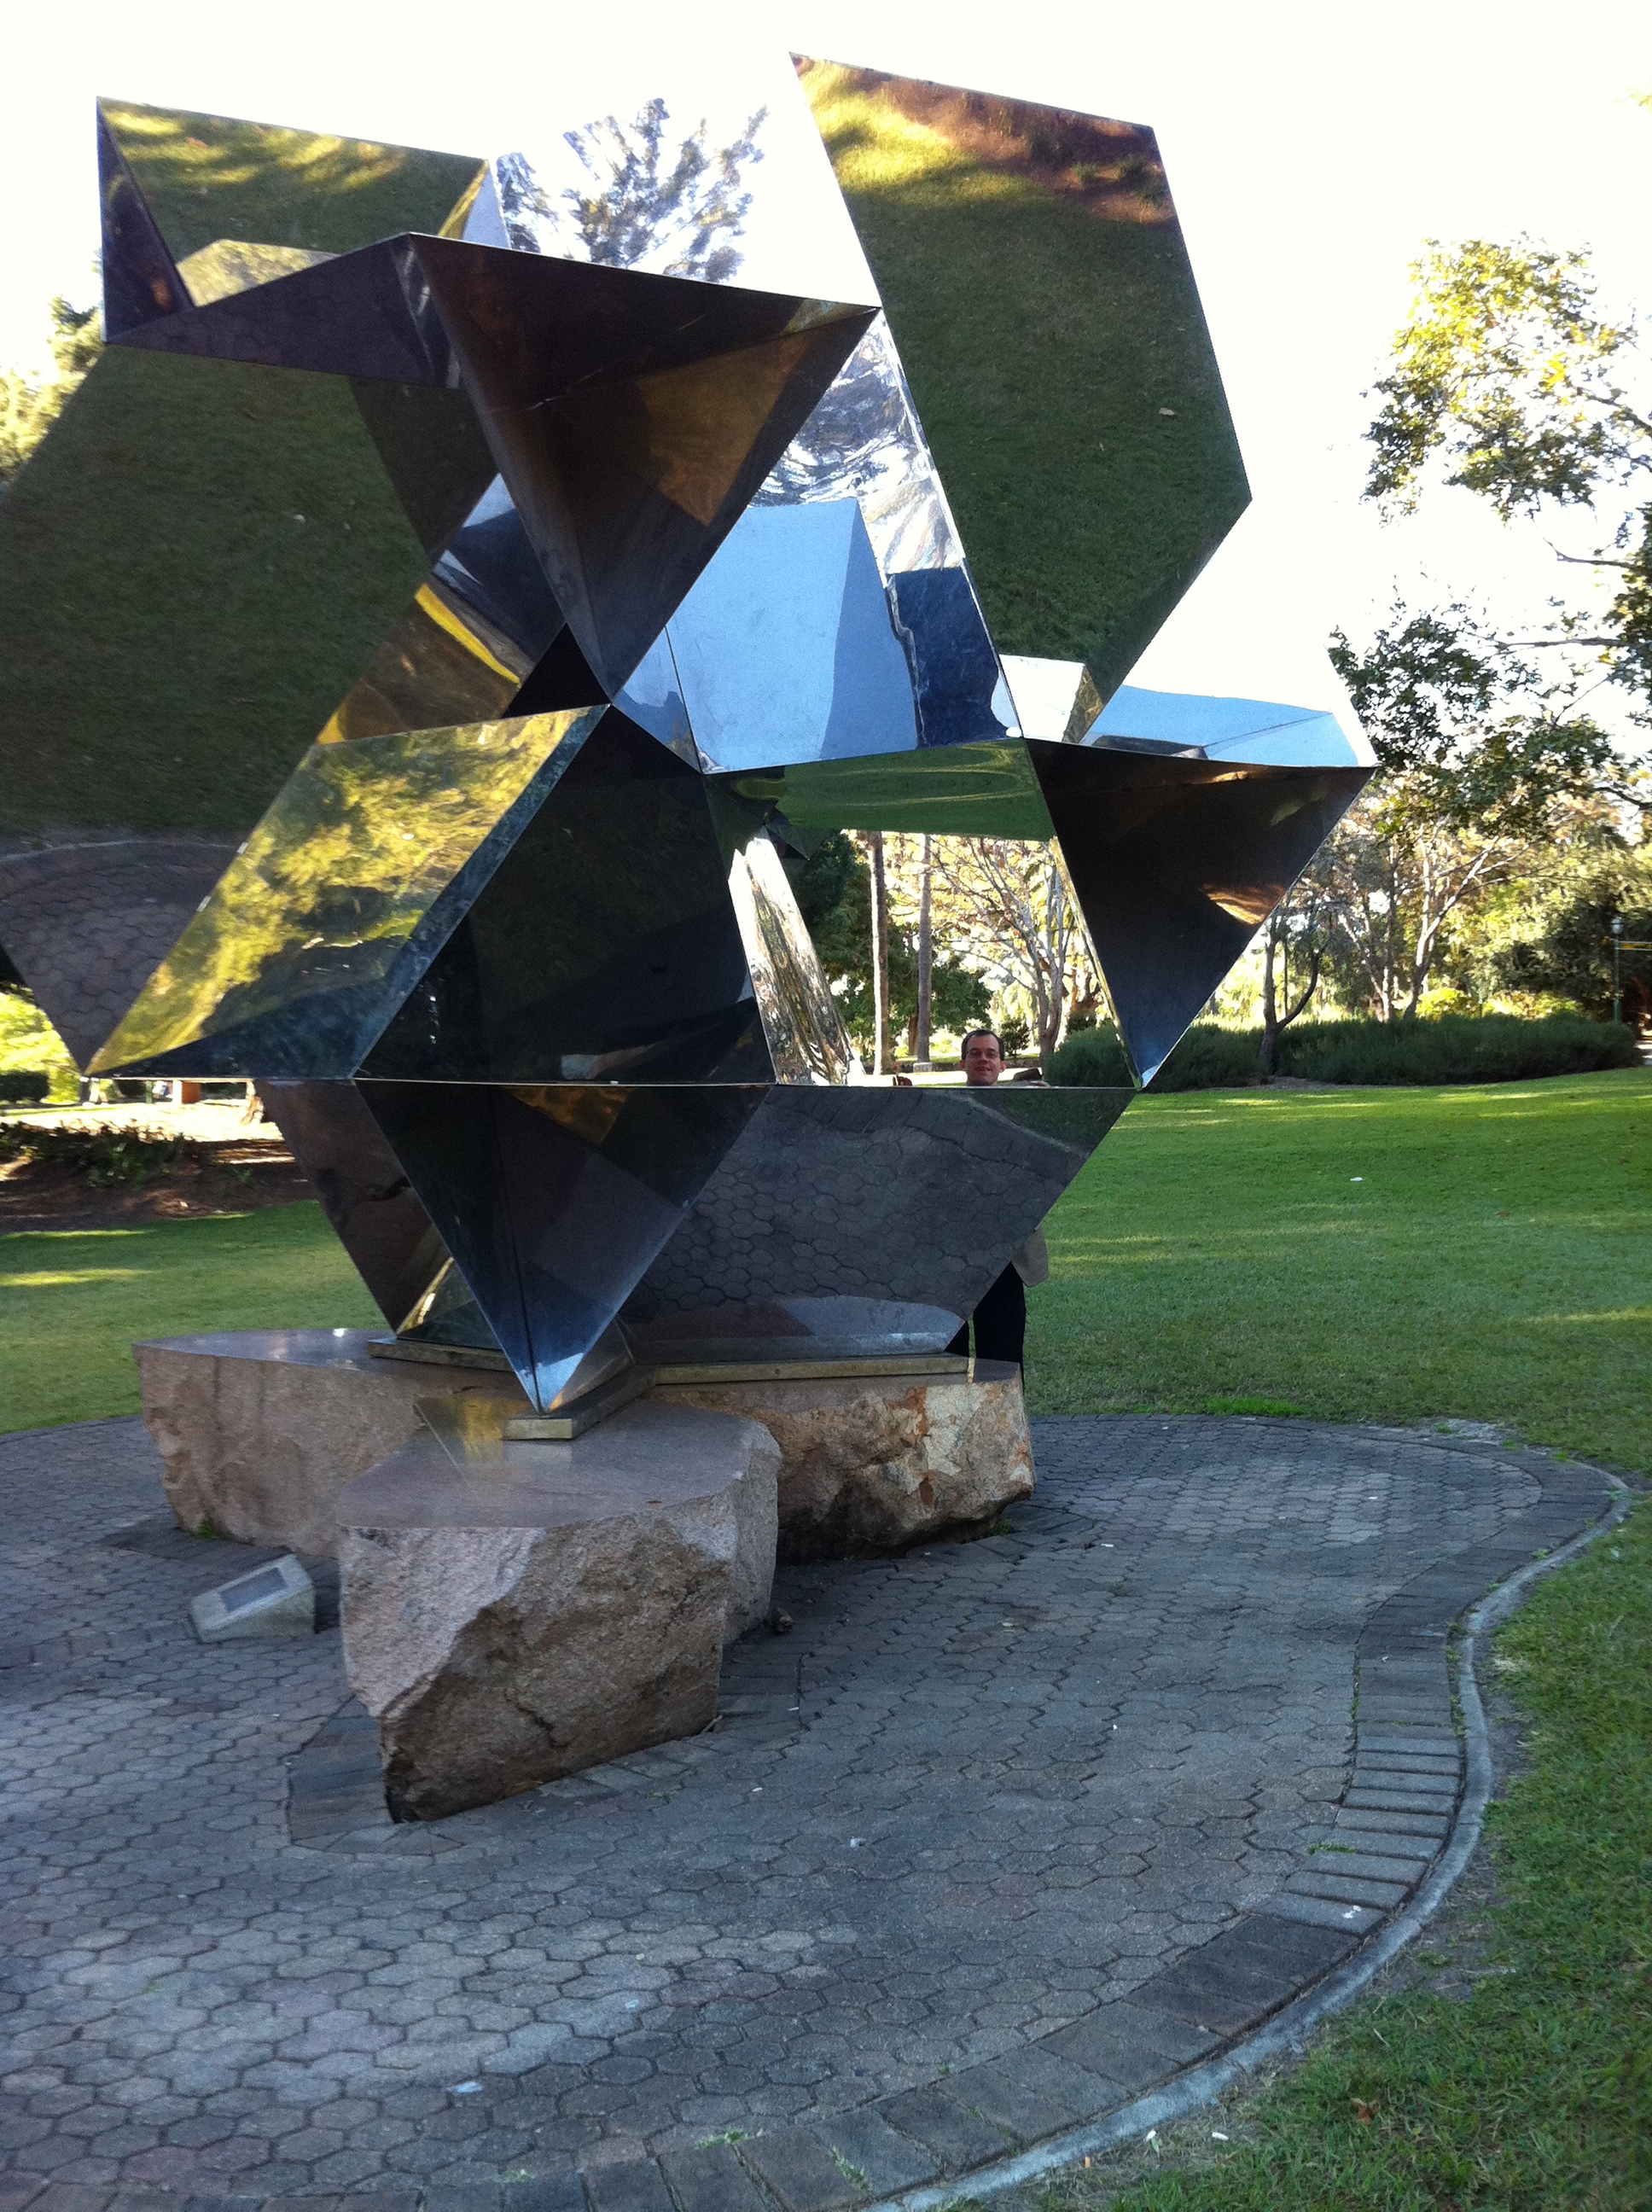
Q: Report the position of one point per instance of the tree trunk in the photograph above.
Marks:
(882, 1046)
(926, 958)
(1270, 1004)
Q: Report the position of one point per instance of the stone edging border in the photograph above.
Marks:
(1203, 2083)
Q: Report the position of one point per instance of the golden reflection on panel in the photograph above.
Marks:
(440, 664)
(689, 431)
(586, 1112)
(806, 1038)
(229, 265)
(338, 875)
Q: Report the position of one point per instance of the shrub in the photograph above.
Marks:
(1450, 1048)
(103, 1157)
(23, 1087)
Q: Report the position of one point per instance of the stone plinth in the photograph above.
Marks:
(260, 1430)
(874, 1465)
(513, 1612)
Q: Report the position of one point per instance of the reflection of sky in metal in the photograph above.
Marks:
(753, 204)
(863, 441)
(1252, 729)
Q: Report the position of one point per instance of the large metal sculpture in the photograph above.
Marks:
(578, 498)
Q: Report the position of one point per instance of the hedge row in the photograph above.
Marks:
(1450, 1048)
(23, 1088)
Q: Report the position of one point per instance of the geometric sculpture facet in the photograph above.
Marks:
(549, 546)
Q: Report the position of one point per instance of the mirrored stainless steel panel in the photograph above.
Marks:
(553, 1202)
(1176, 864)
(364, 1195)
(340, 899)
(605, 948)
(850, 1223)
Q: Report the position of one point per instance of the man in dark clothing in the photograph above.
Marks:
(1000, 1318)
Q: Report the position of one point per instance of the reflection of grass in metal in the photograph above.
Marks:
(195, 567)
(1042, 336)
(337, 877)
(1215, 1248)
(76, 1301)
(210, 177)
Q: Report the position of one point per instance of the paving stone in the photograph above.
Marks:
(1321, 1912)
(1395, 1801)
(552, 2192)
(1349, 1889)
(803, 2176)
(632, 2185)
(1406, 1869)
(863, 2140)
(1129, 2047)
(971, 1793)
(1030, 2093)
(1432, 1828)
(1250, 1970)
(957, 2137)
(712, 2180)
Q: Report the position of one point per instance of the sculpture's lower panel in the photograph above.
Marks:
(862, 1222)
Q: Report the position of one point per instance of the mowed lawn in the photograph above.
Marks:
(1365, 1255)
(1493, 1262)
(73, 1302)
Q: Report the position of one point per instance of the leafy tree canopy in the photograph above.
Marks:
(1511, 378)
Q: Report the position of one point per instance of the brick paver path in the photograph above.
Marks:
(975, 1803)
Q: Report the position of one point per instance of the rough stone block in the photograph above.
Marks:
(548, 1606)
(877, 1464)
(277, 1599)
(259, 1430)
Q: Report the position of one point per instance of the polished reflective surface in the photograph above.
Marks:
(364, 1192)
(553, 1200)
(604, 948)
(341, 897)
(846, 1223)
(528, 552)
(1177, 863)
(793, 592)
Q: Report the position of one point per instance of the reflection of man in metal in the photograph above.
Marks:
(1000, 1318)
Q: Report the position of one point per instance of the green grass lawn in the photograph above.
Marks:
(75, 1301)
(1493, 1260)
(1490, 1262)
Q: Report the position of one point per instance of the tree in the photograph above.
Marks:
(833, 888)
(28, 408)
(1508, 377)
(1477, 752)
(1006, 909)
(642, 197)
(1294, 925)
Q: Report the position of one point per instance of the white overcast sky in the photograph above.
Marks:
(1310, 147)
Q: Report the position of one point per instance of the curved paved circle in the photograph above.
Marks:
(1042, 1810)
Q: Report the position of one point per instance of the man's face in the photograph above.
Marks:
(982, 1060)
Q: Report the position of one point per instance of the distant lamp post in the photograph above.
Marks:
(1617, 968)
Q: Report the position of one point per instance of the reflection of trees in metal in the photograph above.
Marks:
(863, 441)
(806, 1037)
(636, 206)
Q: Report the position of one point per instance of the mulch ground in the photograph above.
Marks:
(237, 1177)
